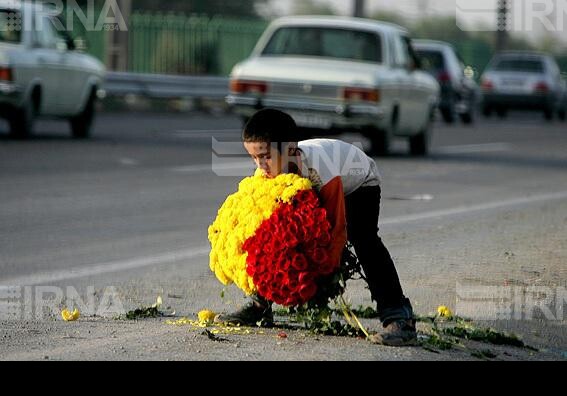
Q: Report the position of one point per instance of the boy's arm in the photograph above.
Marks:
(333, 200)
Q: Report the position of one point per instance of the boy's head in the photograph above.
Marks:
(270, 137)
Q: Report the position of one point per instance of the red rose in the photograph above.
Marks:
(307, 291)
(299, 262)
(324, 238)
(319, 256)
(287, 253)
(305, 277)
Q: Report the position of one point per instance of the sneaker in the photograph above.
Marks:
(398, 333)
(252, 314)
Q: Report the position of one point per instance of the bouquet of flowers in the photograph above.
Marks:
(271, 237)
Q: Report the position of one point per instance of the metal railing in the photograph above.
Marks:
(159, 86)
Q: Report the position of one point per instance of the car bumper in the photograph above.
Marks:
(536, 102)
(10, 94)
(310, 114)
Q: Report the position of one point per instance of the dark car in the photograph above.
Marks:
(522, 80)
(459, 91)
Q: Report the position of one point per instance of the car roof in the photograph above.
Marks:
(338, 22)
(521, 55)
(432, 44)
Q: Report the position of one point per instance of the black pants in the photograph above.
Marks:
(362, 211)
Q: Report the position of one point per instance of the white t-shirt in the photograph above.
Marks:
(325, 159)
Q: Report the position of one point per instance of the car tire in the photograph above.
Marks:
(562, 115)
(548, 114)
(448, 114)
(419, 144)
(468, 117)
(380, 142)
(81, 125)
(486, 111)
(22, 121)
(502, 112)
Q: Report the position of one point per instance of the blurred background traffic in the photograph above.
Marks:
(185, 53)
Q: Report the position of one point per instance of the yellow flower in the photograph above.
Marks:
(206, 316)
(238, 219)
(69, 316)
(444, 311)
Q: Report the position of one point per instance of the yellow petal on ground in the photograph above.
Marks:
(159, 302)
(444, 311)
(206, 316)
(69, 316)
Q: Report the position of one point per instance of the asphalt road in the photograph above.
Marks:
(130, 207)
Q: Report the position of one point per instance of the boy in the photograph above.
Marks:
(348, 185)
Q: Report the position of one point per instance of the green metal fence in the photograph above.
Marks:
(96, 39)
(179, 44)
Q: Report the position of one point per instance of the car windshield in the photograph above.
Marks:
(519, 65)
(431, 60)
(10, 26)
(325, 42)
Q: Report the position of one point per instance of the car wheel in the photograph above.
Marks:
(380, 142)
(419, 144)
(82, 124)
(468, 117)
(548, 114)
(562, 114)
(487, 111)
(502, 112)
(448, 114)
(22, 121)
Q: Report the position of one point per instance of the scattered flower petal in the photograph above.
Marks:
(69, 316)
(444, 312)
(206, 316)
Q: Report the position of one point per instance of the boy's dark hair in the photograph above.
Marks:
(270, 126)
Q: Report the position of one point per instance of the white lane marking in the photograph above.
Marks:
(207, 133)
(474, 208)
(216, 167)
(474, 148)
(188, 254)
(198, 131)
(128, 162)
(105, 268)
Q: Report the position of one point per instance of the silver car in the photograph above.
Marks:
(522, 80)
(340, 74)
(42, 73)
(459, 91)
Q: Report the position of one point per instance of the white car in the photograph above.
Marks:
(339, 74)
(42, 73)
(522, 80)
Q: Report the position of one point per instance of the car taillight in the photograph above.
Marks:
(6, 74)
(242, 87)
(487, 85)
(541, 87)
(443, 77)
(361, 94)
